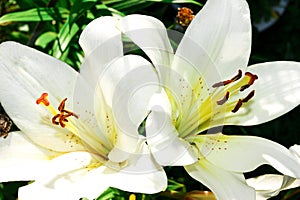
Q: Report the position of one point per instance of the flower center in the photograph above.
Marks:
(61, 117)
(77, 130)
(208, 110)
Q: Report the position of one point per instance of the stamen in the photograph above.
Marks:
(54, 119)
(224, 99)
(249, 96)
(253, 77)
(43, 99)
(237, 106)
(238, 76)
(223, 83)
(60, 118)
(241, 101)
(61, 106)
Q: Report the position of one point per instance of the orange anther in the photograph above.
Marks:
(61, 106)
(43, 99)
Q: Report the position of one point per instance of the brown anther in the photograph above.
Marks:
(248, 97)
(224, 99)
(185, 16)
(237, 106)
(219, 84)
(238, 76)
(43, 99)
(244, 100)
(253, 77)
(223, 83)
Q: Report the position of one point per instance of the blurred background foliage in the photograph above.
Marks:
(54, 26)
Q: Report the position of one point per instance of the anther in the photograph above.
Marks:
(238, 76)
(253, 77)
(237, 106)
(248, 97)
(224, 99)
(61, 106)
(223, 83)
(54, 119)
(244, 100)
(43, 99)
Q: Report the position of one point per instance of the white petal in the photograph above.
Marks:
(245, 153)
(25, 74)
(221, 31)
(64, 164)
(21, 160)
(224, 184)
(269, 185)
(150, 35)
(67, 177)
(102, 32)
(76, 185)
(127, 85)
(277, 91)
(141, 174)
(162, 138)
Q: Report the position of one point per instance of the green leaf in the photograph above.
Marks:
(35, 15)
(173, 185)
(177, 1)
(65, 36)
(79, 7)
(44, 39)
(110, 193)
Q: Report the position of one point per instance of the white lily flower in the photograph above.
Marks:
(269, 185)
(72, 125)
(207, 84)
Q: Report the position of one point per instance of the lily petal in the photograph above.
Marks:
(224, 184)
(277, 91)
(141, 174)
(245, 153)
(25, 74)
(269, 185)
(73, 186)
(223, 31)
(102, 31)
(128, 85)
(150, 35)
(164, 143)
(21, 160)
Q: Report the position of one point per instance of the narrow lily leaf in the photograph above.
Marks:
(177, 1)
(64, 38)
(79, 7)
(110, 193)
(44, 39)
(35, 15)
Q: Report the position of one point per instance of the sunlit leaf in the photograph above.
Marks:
(44, 39)
(35, 15)
(65, 36)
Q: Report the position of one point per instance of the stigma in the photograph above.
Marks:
(61, 117)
